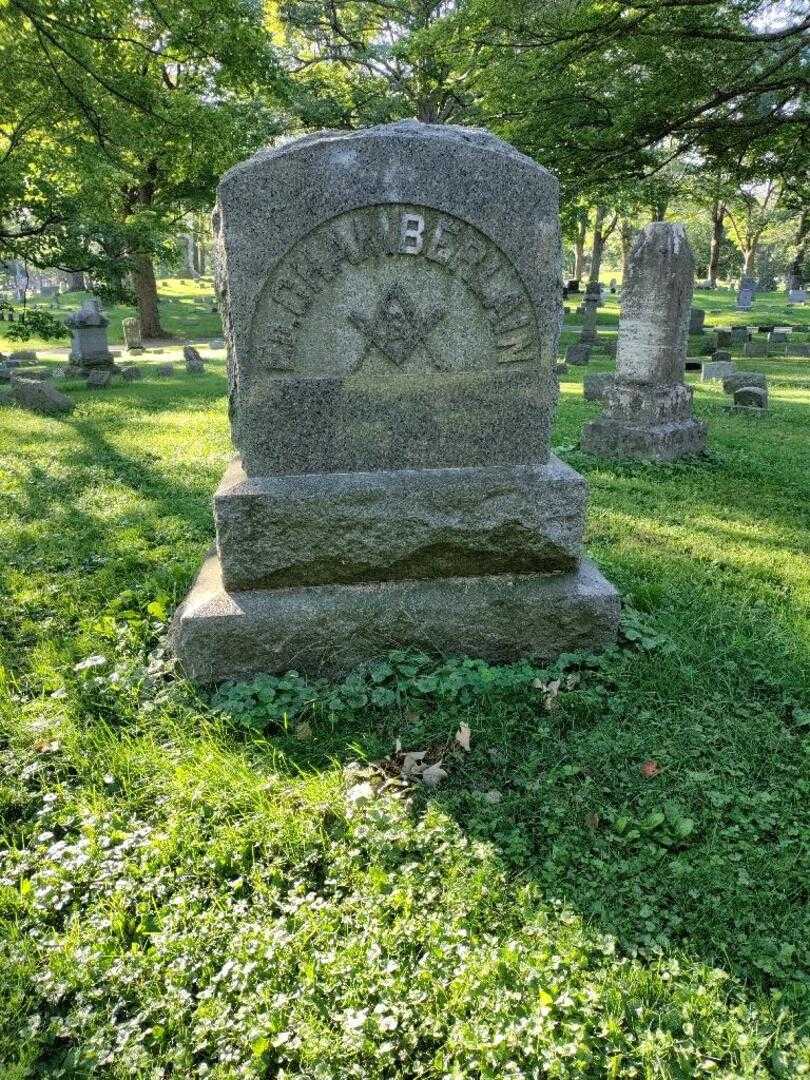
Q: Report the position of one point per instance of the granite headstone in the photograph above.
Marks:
(392, 305)
(648, 408)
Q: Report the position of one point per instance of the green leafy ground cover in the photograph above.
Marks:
(611, 882)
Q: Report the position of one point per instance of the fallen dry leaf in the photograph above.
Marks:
(433, 775)
(551, 694)
(412, 765)
(493, 796)
(463, 737)
(650, 769)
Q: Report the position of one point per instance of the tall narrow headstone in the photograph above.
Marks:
(392, 305)
(588, 335)
(648, 412)
(745, 294)
(133, 338)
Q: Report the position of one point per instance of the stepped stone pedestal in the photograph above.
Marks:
(393, 312)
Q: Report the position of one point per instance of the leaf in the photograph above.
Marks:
(433, 775)
(650, 769)
(463, 737)
(412, 765)
(493, 796)
(158, 608)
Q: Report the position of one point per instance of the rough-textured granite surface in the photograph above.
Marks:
(396, 251)
(648, 408)
(392, 310)
(755, 348)
(40, 396)
(381, 526)
(596, 385)
(697, 317)
(735, 382)
(666, 441)
(717, 369)
(751, 397)
(459, 419)
(656, 298)
(330, 629)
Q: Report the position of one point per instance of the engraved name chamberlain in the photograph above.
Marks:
(402, 288)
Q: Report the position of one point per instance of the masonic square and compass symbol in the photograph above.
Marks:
(397, 329)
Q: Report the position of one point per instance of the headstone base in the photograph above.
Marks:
(330, 629)
(609, 437)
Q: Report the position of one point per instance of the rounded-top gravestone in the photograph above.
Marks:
(392, 307)
(413, 270)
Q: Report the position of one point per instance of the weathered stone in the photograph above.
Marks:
(800, 349)
(99, 379)
(191, 355)
(722, 337)
(409, 282)
(131, 373)
(735, 382)
(739, 335)
(578, 354)
(718, 369)
(750, 397)
(721, 356)
(755, 348)
(164, 371)
(648, 408)
(216, 343)
(317, 529)
(697, 317)
(777, 337)
(333, 628)
(595, 385)
(40, 397)
(133, 338)
(20, 356)
(88, 325)
(797, 296)
(590, 315)
(393, 310)
(42, 374)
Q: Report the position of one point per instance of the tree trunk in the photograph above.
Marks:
(795, 273)
(579, 246)
(146, 297)
(716, 242)
(627, 234)
(600, 235)
(749, 255)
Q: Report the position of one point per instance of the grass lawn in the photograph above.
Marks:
(612, 881)
(181, 312)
